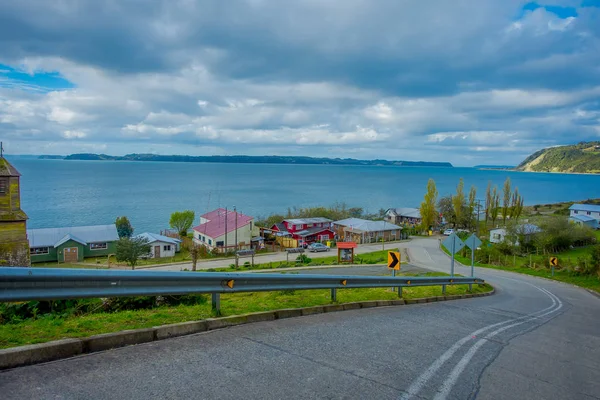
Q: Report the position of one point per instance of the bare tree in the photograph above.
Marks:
(506, 199)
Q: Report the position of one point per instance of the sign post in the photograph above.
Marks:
(394, 265)
(454, 244)
(553, 263)
(472, 243)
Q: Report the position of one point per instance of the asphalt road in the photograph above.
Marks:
(534, 339)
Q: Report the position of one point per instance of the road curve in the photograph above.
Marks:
(534, 339)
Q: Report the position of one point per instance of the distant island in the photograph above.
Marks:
(582, 158)
(250, 160)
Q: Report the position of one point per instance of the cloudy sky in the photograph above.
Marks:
(465, 81)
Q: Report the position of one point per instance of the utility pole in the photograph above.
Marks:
(225, 229)
(236, 229)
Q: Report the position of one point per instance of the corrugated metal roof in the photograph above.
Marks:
(585, 207)
(48, 237)
(6, 169)
(215, 227)
(407, 212)
(583, 218)
(302, 221)
(155, 237)
(365, 225)
(312, 231)
(67, 238)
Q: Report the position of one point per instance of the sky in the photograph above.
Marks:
(465, 81)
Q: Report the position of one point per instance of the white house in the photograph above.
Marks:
(584, 220)
(403, 215)
(161, 246)
(586, 210)
(499, 235)
(220, 228)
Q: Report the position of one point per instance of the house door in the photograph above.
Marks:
(70, 254)
(156, 251)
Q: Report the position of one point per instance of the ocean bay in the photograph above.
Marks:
(69, 193)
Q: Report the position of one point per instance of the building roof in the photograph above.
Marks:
(155, 237)
(68, 237)
(52, 237)
(583, 218)
(6, 169)
(312, 231)
(215, 226)
(280, 227)
(364, 225)
(407, 212)
(303, 221)
(585, 207)
(526, 229)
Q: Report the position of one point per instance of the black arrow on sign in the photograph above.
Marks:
(394, 260)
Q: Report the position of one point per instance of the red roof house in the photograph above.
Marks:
(306, 230)
(218, 228)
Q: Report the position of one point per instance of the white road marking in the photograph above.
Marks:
(450, 381)
(420, 382)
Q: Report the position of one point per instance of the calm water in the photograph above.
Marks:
(66, 193)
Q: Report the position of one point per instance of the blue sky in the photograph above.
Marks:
(470, 81)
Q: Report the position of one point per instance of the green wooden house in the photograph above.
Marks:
(72, 244)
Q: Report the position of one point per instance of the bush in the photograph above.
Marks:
(303, 259)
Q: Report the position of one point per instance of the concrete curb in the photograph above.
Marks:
(66, 348)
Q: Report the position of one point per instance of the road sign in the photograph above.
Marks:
(554, 261)
(473, 242)
(394, 260)
(453, 243)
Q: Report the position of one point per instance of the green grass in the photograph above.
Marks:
(541, 269)
(47, 328)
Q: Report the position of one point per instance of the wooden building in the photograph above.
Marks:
(14, 247)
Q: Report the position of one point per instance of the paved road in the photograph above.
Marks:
(534, 339)
(274, 257)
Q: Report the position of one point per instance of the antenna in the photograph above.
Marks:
(1, 150)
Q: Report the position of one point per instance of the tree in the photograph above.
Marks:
(447, 209)
(182, 221)
(495, 205)
(195, 251)
(472, 199)
(428, 211)
(131, 249)
(458, 201)
(506, 199)
(124, 228)
(488, 201)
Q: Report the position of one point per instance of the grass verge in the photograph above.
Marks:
(521, 266)
(51, 327)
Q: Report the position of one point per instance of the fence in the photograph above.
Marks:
(25, 284)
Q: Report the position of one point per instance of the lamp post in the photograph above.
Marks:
(236, 228)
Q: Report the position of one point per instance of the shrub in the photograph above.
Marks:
(303, 259)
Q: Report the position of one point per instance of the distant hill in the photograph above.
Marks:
(254, 160)
(583, 157)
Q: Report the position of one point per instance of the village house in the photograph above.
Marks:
(499, 235)
(306, 230)
(585, 214)
(72, 244)
(366, 231)
(220, 229)
(14, 248)
(161, 246)
(405, 215)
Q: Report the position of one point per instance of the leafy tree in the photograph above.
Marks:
(428, 211)
(472, 199)
(495, 205)
(506, 198)
(131, 249)
(458, 201)
(488, 201)
(124, 227)
(182, 221)
(447, 209)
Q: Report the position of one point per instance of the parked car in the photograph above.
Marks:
(448, 232)
(316, 247)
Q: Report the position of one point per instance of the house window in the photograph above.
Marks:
(3, 186)
(323, 237)
(210, 242)
(496, 236)
(98, 246)
(167, 247)
(297, 227)
(576, 212)
(220, 243)
(589, 213)
(39, 250)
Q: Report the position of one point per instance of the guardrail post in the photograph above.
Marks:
(216, 302)
(399, 291)
(333, 294)
(444, 290)
(470, 287)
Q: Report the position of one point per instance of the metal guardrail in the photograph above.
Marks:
(24, 284)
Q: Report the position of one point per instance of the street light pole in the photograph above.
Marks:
(236, 229)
